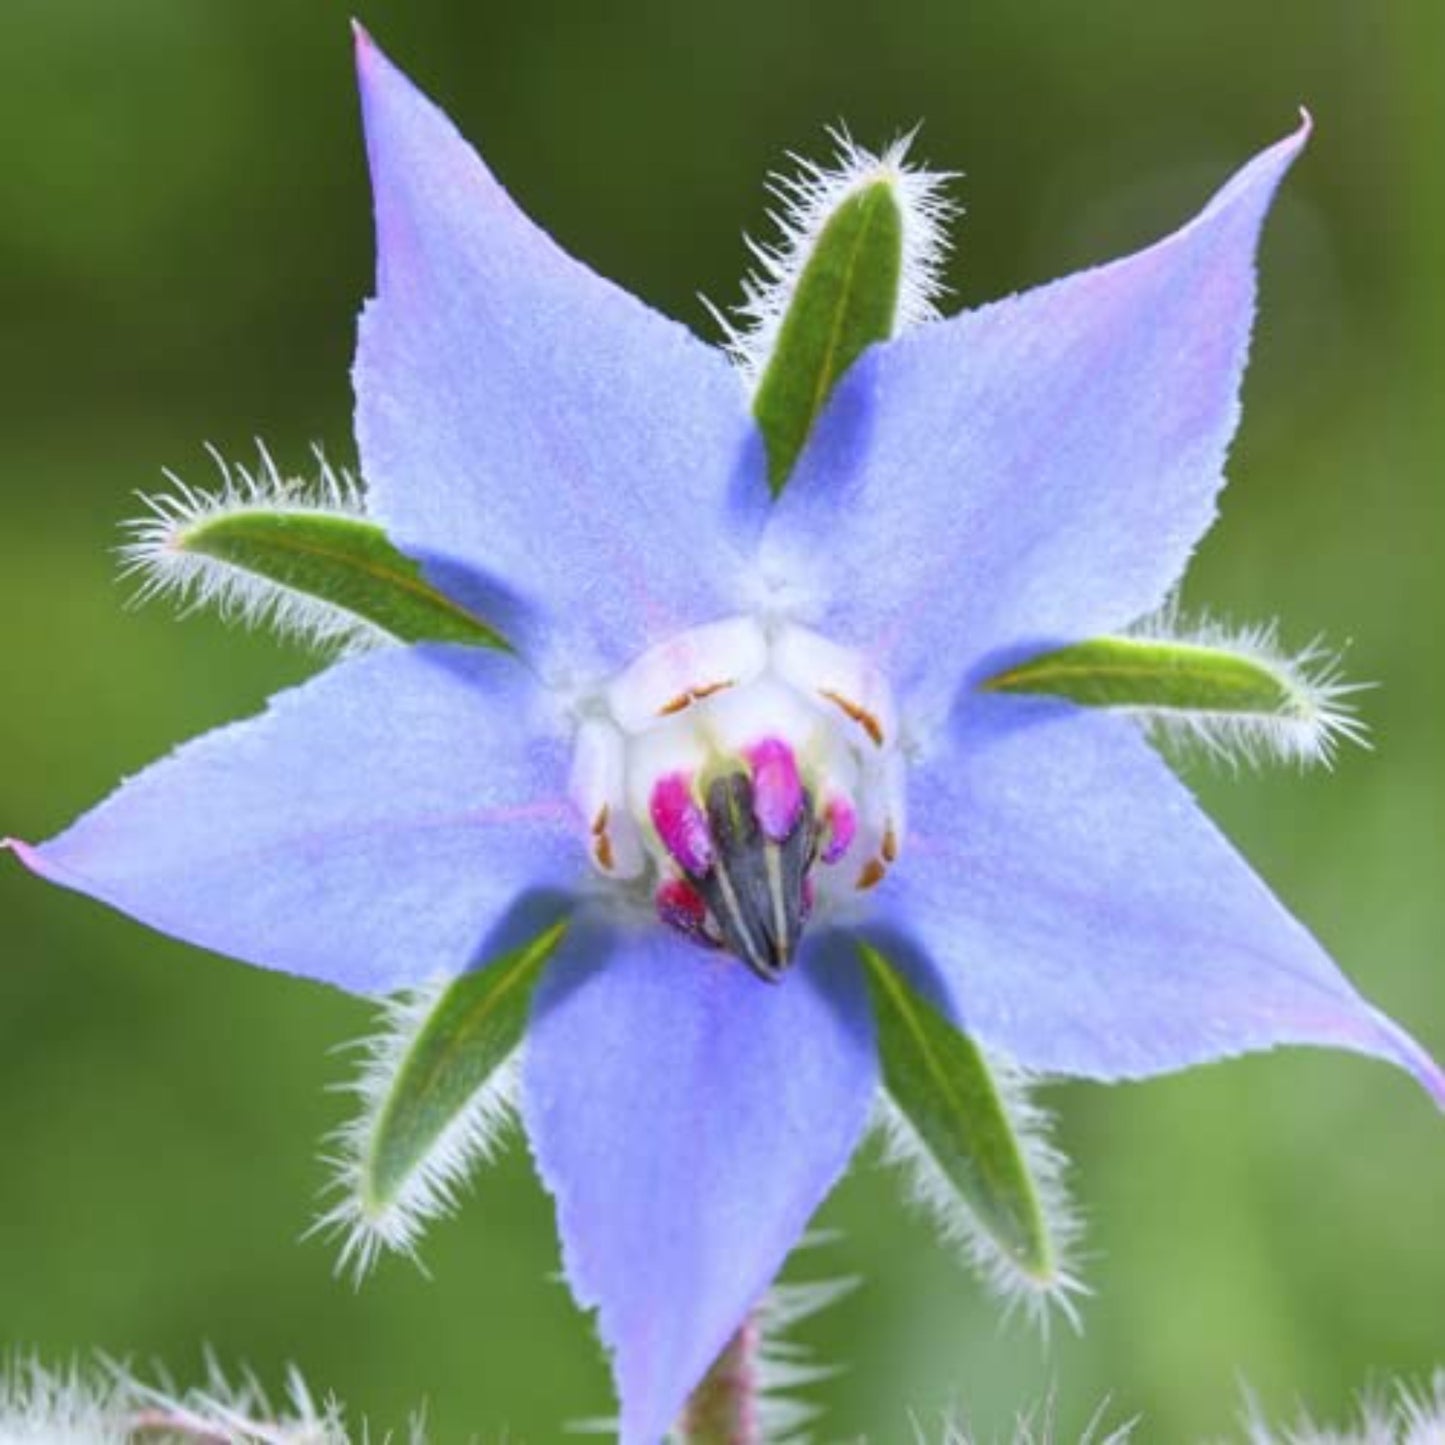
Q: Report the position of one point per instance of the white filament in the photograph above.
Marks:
(599, 788)
(701, 700)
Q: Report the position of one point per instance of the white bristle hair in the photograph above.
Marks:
(1031, 1427)
(784, 1365)
(40, 1406)
(933, 1193)
(805, 201)
(104, 1402)
(1401, 1414)
(234, 1408)
(434, 1188)
(1321, 718)
(155, 553)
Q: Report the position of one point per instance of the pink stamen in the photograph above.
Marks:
(681, 907)
(777, 788)
(681, 824)
(842, 820)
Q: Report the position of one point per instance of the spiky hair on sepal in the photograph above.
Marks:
(1320, 714)
(785, 1365)
(1400, 1414)
(106, 1403)
(1057, 1288)
(234, 1408)
(366, 1227)
(69, 1406)
(156, 555)
(804, 202)
(1032, 1427)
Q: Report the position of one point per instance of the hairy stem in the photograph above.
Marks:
(723, 1410)
(145, 1423)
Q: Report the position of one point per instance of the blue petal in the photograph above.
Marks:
(372, 828)
(556, 453)
(1086, 918)
(1036, 471)
(689, 1119)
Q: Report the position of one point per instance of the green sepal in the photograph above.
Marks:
(1148, 673)
(346, 562)
(471, 1032)
(845, 299)
(939, 1082)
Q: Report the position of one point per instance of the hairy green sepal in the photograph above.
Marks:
(845, 299)
(346, 562)
(939, 1082)
(1147, 673)
(473, 1030)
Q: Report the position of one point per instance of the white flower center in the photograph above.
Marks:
(746, 777)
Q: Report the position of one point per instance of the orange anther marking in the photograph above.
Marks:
(890, 845)
(694, 694)
(857, 713)
(602, 851)
(599, 823)
(871, 876)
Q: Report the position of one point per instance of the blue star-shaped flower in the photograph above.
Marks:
(738, 732)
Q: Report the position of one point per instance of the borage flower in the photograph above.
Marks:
(742, 728)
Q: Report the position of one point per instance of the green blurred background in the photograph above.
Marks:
(184, 241)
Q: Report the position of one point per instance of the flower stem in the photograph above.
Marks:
(145, 1423)
(723, 1410)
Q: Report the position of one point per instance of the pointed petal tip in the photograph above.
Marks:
(1252, 188)
(1430, 1075)
(1409, 1055)
(1292, 144)
(32, 856)
(41, 860)
(373, 65)
(675, 1232)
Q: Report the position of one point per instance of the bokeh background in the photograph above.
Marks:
(184, 241)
